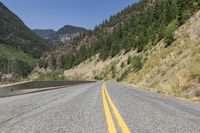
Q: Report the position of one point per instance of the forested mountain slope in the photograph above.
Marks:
(19, 46)
(137, 27)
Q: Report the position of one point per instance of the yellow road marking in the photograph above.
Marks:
(119, 118)
(110, 123)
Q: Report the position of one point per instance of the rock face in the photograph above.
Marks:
(61, 36)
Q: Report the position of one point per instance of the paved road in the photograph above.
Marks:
(97, 108)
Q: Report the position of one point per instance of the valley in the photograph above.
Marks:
(150, 44)
(135, 71)
(131, 49)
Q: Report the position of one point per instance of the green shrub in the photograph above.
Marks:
(169, 32)
(122, 65)
(67, 62)
(56, 75)
(129, 60)
(98, 78)
(113, 71)
(136, 63)
(123, 76)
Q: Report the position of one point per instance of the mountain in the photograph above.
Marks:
(15, 33)
(20, 48)
(148, 44)
(65, 34)
(43, 33)
(68, 29)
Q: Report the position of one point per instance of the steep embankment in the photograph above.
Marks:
(175, 69)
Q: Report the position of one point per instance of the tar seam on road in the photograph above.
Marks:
(121, 122)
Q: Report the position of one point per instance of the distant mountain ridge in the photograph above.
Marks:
(68, 29)
(64, 34)
(43, 33)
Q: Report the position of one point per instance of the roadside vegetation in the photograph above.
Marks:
(20, 48)
(15, 62)
(134, 63)
(55, 75)
(16, 34)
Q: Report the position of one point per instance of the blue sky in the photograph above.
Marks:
(53, 14)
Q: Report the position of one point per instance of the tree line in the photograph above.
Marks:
(147, 26)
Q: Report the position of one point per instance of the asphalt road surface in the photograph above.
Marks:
(98, 108)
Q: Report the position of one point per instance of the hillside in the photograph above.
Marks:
(20, 48)
(14, 64)
(175, 69)
(92, 42)
(44, 33)
(136, 27)
(64, 34)
(148, 44)
(14, 33)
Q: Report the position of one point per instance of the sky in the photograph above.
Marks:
(54, 14)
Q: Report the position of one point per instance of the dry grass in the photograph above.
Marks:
(94, 67)
(174, 69)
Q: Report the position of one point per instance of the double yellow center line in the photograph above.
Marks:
(109, 119)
